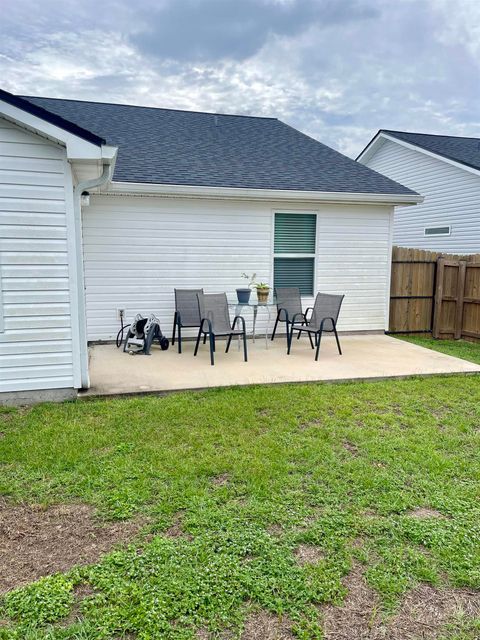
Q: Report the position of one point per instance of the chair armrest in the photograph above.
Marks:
(242, 322)
(209, 322)
(307, 310)
(297, 315)
(279, 311)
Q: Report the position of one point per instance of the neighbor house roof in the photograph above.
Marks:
(51, 117)
(463, 150)
(167, 146)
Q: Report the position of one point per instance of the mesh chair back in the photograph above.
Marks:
(326, 306)
(288, 298)
(214, 307)
(186, 304)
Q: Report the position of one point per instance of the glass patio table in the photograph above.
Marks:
(269, 305)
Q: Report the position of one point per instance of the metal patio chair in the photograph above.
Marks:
(289, 305)
(324, 318)
(215, 321)
(186, 312)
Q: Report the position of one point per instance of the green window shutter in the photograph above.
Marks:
(295, 232)
(294, 272)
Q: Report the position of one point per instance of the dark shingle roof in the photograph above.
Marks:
(49, 116)
(167, 146)
(464, 150)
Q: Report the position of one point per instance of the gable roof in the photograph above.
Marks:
(168, 146)
(51, 117)
(466, 151)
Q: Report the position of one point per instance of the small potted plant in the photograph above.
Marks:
(263, 290)
(243, 295)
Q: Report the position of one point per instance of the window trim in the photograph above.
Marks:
(295, 255)
(436, 235)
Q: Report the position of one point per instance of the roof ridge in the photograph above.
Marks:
(433, 135)
(140, 106)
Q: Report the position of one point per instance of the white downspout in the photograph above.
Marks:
(77, 207)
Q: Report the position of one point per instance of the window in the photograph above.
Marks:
(294, 251)
(437, 231)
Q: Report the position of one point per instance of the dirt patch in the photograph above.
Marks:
(275, 529)
(175, 530)
(35, 542)
(266, 626)
(308, 554)
(423, 614)
(356, 617)
(221, 480)
(350, 447)
(425, 512)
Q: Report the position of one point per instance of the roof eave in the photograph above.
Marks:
(235, 193)
(380, 138)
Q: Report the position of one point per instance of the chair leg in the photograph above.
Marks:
(198, 341)
(174, 327)
(310, 338)
(245, 346)
(179, 338)
(212, 347)
(289, 339)
(336, 338)
(275, 327)
(228, 342)
(214, 343)
(204, 338)
(318, 338)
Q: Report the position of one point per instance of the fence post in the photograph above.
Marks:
(438, 297)
(462, 272)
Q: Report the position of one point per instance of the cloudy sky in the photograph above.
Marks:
(336, 69)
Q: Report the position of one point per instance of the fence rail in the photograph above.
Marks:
(435, 293)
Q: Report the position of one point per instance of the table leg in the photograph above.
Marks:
(268, 326)
(255, 310)
(238, 312)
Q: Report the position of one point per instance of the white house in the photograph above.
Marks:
(446, 171)
(176, 199)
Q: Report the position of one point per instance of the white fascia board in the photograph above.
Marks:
(232, 193)
(77, 148)
(380, 138)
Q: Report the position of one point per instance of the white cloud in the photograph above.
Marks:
(408, 65)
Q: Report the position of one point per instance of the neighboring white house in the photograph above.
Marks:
(446, 171)
(177, 199)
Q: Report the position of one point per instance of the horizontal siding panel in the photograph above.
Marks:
(31, 178)
(38, 165)
(34, 232)
(27, 384)
(25, 191)
(40, 151)
(40, 371)
(35, 205)
(42, 297)
(33, 218)
(39, 347)
(32, 335)
(37, 360)
(25, 310)
(37, 271)
(34, 284)
(34, 322)
(35, 257)
(43, 244)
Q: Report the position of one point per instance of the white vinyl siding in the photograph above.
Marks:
(36, 342)
(137, 250)
(452, 198)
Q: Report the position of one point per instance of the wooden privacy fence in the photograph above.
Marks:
(435, 293)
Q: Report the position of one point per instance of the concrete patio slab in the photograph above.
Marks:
(365, 357)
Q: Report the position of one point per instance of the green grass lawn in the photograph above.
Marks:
(458, 348)
(252, 474)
